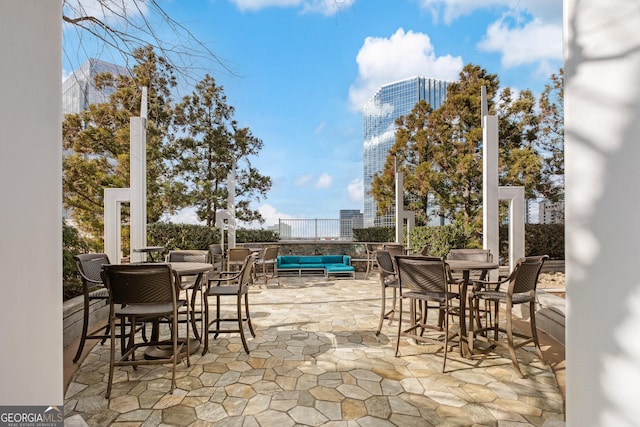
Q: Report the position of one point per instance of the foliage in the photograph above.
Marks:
(181, 236)
(72, 244)
(212, 147)
(551, 136)
(439, 151)
(374, 234)
(96, 144)
(539, 239)
(245, 235)
(440, 239)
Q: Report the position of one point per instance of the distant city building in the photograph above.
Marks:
(79, 90)
(390, 102)
(350, 219)
(551, 212)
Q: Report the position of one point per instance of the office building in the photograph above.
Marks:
(350, 219)
(551, 212)
(390, 102)
(79, 90)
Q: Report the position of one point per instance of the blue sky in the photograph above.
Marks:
(302, 70)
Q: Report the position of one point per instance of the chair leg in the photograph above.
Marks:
(241, 325)
(205, 329)
(534, 329)
(112, 355)
(246, 310)
(382, 309)
(446, 336)
(512, 350)
(399, 327)
(85, 326)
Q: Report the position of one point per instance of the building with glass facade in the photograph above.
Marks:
(79, 90)
(390, 102)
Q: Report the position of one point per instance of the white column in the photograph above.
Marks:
(490, 211)
(31, 195)
(399, 204)
(113, 200)
(138, 183)
(231, 206)
(602, 127)
(515, 197)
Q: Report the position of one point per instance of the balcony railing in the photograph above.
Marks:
(316, 229)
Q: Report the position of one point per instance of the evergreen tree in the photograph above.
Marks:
(212, 144)
(96, 144)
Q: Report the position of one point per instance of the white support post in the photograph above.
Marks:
(490, 211)
(231, 206)
(399, 204)
(113, 199)
(138, 182)
(515, 196)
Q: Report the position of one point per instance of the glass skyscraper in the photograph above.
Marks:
(79, 90)
(390, 102)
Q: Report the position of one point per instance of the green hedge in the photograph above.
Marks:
(538, 239)
(374, 234)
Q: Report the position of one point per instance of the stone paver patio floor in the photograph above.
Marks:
(316, 361)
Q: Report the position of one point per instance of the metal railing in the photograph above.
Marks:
(316, 229)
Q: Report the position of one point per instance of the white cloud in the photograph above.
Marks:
(549, 11)
(403, 55)
(320, 128)
(184, 216)
(302, 180)
(531, 43)
(356, 190)
(271, 217)
(324, 7)
(324, 181)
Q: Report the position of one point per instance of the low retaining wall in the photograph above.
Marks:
(72, 312)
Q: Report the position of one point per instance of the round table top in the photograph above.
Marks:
(188, 268)
(466, 264)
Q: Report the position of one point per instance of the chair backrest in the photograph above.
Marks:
(237, 254)
(422, 273)
(246, 273)
(189, 256)
(385, 262)
(484, 255)
(270, 253)
(90, 266)
(471, 254)
(394, 248)
(140, 283)
(524, 277)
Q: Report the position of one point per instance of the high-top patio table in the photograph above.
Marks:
(465, 267)
(181, 269)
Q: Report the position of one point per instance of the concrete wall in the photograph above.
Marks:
(31, 195)
(602, 148)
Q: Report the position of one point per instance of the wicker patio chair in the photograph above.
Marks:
(423, 281)
(143, 292)
(520, 289)
(267, 265)
(388, 280)
(230, 284)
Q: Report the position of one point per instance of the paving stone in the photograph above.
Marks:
(317, 361)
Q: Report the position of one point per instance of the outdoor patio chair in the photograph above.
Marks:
(187, 283)
(424, 283)
(236, 257)
(388, 280)
(217, 257)
(520, 289)
(89, 267)
(394, 249)
(143, 292)
(372, 264)
(267, 265)
(230, 284)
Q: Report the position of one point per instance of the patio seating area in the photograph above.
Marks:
(316, 360)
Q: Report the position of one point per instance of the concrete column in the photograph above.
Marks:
(138, 183)
(602, 111)
(31, 194)
(490, 212)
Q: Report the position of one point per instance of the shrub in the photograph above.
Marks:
(374, 234)
(439, 239)
(72, 244)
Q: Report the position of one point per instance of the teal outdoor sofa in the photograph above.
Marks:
(316, 264)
